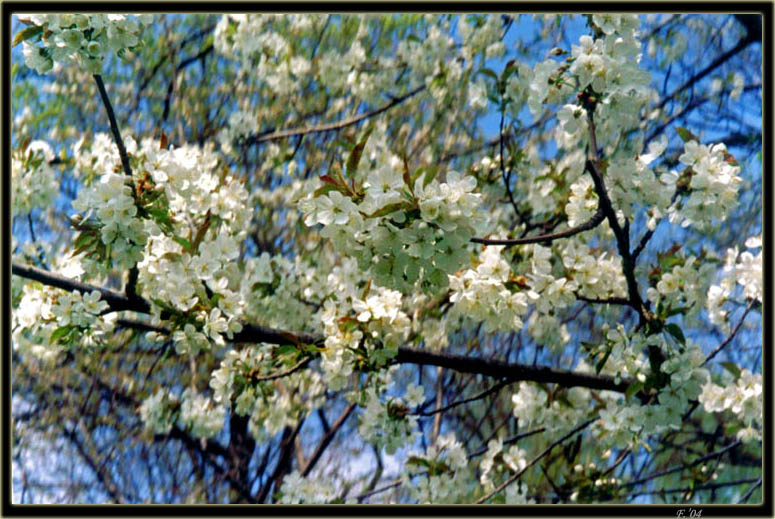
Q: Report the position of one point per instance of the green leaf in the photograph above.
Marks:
(632, 389)
(732, 368)
(324, 190)
(511, 68)
(286, 349)
(675, 330)
(182, 241)
(686, 135)
(26, 34)
(355, 155)
(429, 176)
(390, 208)
(60, 332)
(679, 310)
(416, 460)
(601, 362)
(366, 289)
(487, 72)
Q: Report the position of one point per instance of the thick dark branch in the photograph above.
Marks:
(593, 222)
(283, 134)
(132, 281)
(253, 333)
(115, 300)
(510, 372)
(113, 125)
(329, 435)
(622, 233)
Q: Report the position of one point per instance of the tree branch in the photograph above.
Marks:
(682, 466)
(282, 134)
(593, 222)
(132, 281)
(742, 44)
(731, 334)
(486, 392)
(535, 460)
(329, 435)
(253, 333)
(510, 372)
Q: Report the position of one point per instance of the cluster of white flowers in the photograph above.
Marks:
(530, 407)
(84, 39)
(739, 268)
(482, 294)
(743, 397)
(401, 234)
(439, 475)
(595, 275)
(632, 183)
(159, 411)
(48, 321)
(271, 405)
(33, 183)
(191, 340)
(582, 203)
(685, 286)
(111, 201)
(371, 338)
(546, 291)
(627, 423)
(274, 289)
(496, 462)
(713, 186)
(298, 490)
(73, 308)
(388, 424)
(609, 66)
(200, 415)
(33, 322)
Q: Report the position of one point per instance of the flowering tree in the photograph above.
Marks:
(387, 258)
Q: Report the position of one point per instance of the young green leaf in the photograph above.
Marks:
(26, 34)
(355, 155)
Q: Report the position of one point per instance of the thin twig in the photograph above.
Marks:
(282, 374)
(750, 492)
(709, 486)
(493, 389)
(535, 460)
(506, 176)
(282, 134)
(329, 435)
(607, 301)
(593, 222)
(731, 334)
(682, 466)
(510, 440)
